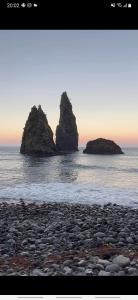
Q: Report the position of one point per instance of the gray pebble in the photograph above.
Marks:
(130, 240)
(88, 272)
(103, 262)
(99, 234)
(121, 260)
(132, 270)
(37, 272)
(67, 270)
(104, 273)
(112, 268)
(121, 273)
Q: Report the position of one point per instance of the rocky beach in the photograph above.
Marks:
(52, 239)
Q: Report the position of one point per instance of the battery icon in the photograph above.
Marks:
(129, 5)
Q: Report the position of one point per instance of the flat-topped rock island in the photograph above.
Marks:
(102, 146)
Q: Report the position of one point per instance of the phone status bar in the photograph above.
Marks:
(35, 4)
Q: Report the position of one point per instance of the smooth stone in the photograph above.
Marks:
(67, 262)
(88, 272)
(12, 274)
(132, 270)
(90, 266)
(135, 273)
(55, 266)
(5, 256)
(42, 246)
(67, 270)
(130, 240)
(82, 263)
(132, 263)
(121, 273)
(32, 247)
(99, 241)
(11, 241)
(24, 253)
(37, 272)
(104, 273)
(110, 240)
(121, 260)
(24, 242)
(81, 269)
(46, 270)
(99, 267)
(99, 234)
(121, 244)
(103, 262)
(112, 268)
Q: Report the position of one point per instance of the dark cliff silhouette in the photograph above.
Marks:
(37, 136)
(66, 131)
(102, 146)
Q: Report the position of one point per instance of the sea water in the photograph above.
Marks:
(71, 178)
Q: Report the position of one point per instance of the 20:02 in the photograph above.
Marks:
(13, 5)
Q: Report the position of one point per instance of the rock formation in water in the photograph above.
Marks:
(66, 131)
(37, 136)
(102, 146)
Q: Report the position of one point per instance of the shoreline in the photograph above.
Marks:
(51, 239)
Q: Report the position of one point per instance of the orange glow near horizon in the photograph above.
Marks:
(15, 138)
(120, 139)
(119, 132)
(9, 138)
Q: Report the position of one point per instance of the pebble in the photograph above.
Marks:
(121, 273)
(67, 270)
(99, 267)
(132, 270)
(121, 260)
(103, 262)
(130, 240)
(110, 240)
(82, 262)
(99, 234)
(104, 273)
(37, 272)
(88, 272)
(55, 239)
(24, 253)
(11, 242)
(112, 268)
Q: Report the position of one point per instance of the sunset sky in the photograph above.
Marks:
(97, 68)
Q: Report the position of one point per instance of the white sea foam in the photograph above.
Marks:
(70, 193)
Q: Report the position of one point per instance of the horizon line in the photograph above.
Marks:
(80, 145)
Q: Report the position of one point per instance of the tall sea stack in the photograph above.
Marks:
(37, 136)
(66, 131)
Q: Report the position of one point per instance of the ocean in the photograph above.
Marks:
(71, 178)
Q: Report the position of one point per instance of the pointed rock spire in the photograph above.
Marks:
(66, 131)
(37, 136)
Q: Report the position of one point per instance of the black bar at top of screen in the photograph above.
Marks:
(49, 15)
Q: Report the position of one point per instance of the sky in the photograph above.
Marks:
(97, 68)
